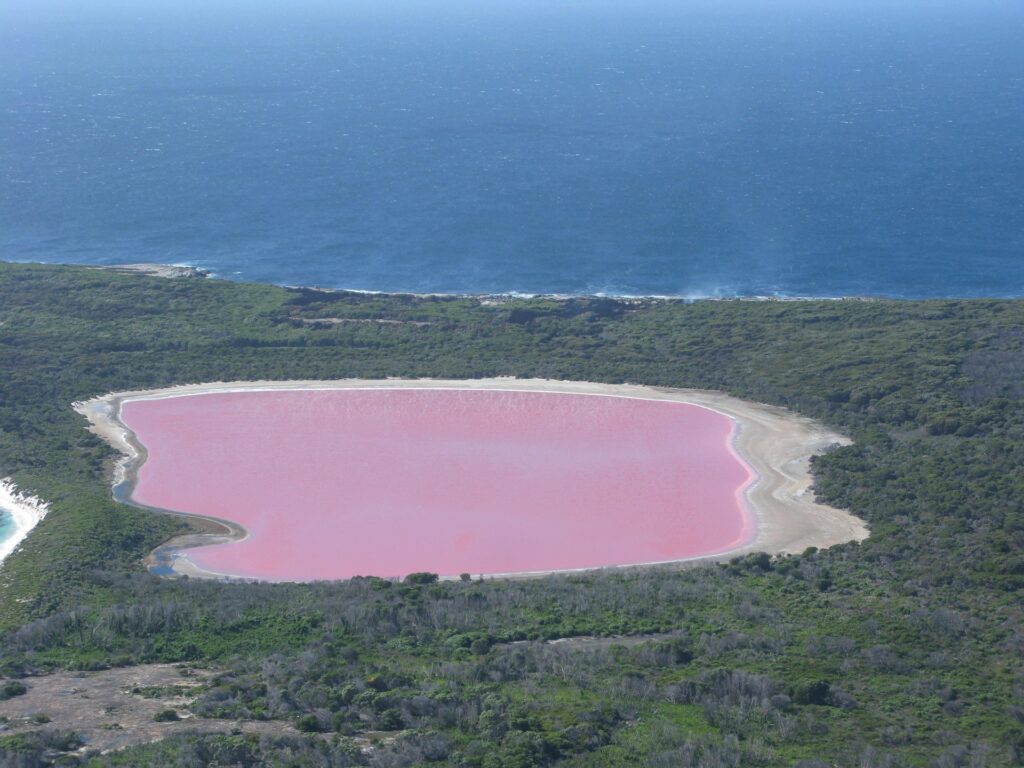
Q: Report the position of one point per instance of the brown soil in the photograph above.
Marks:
(114, 709)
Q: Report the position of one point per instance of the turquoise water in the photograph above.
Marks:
(734, 147)
(6, 525)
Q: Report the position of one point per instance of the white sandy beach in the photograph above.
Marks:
(776, 443)
(26, 512)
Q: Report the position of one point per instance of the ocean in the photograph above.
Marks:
(6, 526)
(692, 148)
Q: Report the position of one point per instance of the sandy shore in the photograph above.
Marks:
(776, 443)
(26, 511)
(172, 271)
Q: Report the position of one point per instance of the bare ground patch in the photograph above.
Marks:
(115, 708)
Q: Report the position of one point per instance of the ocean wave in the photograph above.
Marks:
(25, 511)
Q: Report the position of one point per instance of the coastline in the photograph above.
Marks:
(186, 271)
(775, 444)
(507, 296)
(26, 513)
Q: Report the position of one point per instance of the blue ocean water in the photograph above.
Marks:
(800, 147)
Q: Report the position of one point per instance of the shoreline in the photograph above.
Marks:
(26, 512)
(775, 445)
(485, 296)
(186, 271)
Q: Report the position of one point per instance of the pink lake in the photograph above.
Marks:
(331, 484)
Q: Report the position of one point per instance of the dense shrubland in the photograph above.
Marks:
(903, 650)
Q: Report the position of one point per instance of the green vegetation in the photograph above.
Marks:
(905, 650)
(11, 688)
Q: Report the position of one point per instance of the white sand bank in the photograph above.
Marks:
(26, 511)
(776, 443)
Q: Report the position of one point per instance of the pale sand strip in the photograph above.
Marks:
(776, 443)
(26, 511)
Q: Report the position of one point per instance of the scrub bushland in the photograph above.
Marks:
(903, 650)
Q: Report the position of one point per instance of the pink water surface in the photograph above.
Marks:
(336, 483)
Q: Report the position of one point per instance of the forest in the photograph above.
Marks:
(906, 649)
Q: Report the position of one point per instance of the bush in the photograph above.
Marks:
(811, 692)
(308, 723)
(480, 646)
(837, 697)
(421, 578)
(166, 716)
(390, 720)
(12, 688)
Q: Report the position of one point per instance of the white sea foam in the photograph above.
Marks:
(26, 512)
(709, 294)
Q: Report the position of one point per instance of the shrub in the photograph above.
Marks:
(811, 692)
(12, 688)
(308, 723)
(421, 577)
(390, 720)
